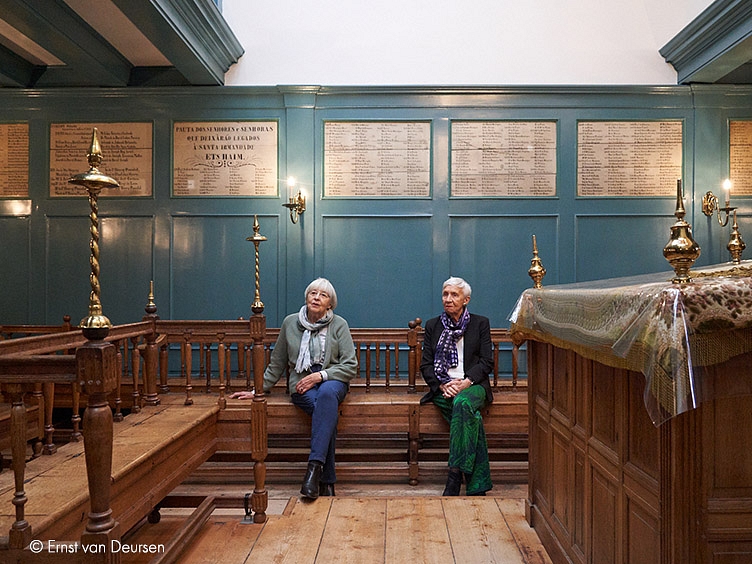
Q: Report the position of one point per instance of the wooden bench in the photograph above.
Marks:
(383, 433)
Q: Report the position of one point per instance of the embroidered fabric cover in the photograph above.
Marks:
(648, 324)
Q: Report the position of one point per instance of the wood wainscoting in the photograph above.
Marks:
(607, 486)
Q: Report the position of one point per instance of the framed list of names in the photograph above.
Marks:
(126, 157)
(227, 158)
(740, 156)
(14, 160)
(503, 158)
(377, 159)
(628, 158)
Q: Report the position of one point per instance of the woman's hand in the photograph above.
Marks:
(454, 387)
(242, 395)
(308, 382)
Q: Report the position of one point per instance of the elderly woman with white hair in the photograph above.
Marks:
(457, 359)
(317, 348)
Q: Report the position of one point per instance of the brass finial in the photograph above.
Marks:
(257, 306)
(95, 325)
(151, 307)
(681, 251)
(536, 270)
(735, 245)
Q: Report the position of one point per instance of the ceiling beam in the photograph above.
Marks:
(192, 34)
(88, 59)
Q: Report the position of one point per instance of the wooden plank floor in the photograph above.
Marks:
(363, 524)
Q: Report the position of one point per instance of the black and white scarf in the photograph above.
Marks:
(445, 355)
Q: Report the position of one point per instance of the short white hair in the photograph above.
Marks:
(323, 285)
(460, 283)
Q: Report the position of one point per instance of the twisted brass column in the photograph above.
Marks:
(96, 325)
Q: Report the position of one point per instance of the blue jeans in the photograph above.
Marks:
(322, 403)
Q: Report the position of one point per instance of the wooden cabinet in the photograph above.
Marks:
(607, 486)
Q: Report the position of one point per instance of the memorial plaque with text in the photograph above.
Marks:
(14, 160)
(503, 158)
(126, 153)
(628, 158)
(377, 159)
(235, 158)
(740, 156)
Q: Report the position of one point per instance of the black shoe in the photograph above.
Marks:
(310, 487)
(326, 490)
(478, 494)
(453, 483)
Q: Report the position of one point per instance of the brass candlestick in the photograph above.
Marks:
(736, 245)
(681, 251)
(95, 325)
(536, 270)
(257, 306)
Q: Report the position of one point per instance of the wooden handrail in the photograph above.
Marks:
(94, 368)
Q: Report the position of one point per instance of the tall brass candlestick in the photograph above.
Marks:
(95, 325)
(681, 251)
(257, 306)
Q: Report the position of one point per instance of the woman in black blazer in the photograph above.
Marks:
(457, 359)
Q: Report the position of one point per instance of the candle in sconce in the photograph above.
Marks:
(727, 190)
(290, 188)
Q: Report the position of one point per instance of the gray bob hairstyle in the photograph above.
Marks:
(460, 283)
(323, 285)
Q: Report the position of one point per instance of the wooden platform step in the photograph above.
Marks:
(166, 441)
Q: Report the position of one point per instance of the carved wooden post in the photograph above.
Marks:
(413, 359)
(259, 431)
(20, 531)
(259, 437)
(97, 374)
(151, 353)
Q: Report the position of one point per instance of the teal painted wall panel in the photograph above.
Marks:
(15, 268)
(212, 268)
(126, 266)
(380, 267)
(376, 250)
(609, 246)
(66, 269)
(493, 254)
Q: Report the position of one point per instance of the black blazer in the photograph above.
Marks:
(478, 354)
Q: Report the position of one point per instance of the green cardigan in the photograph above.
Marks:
(340, 361)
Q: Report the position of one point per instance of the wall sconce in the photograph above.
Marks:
(710, 203)
(296, 202)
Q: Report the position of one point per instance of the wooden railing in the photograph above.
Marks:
(389, 360)
(94, 369)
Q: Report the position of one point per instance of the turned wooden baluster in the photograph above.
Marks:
(39, 396)
(76, 436)
(135, 369)
(187, 361)
(20, 531)
(118, 417)
(222, 402)
(48, 390)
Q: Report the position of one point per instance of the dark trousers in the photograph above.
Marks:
(322, 403)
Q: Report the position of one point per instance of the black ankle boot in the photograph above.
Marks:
(310, 487)
(453, 483)
(326, 490)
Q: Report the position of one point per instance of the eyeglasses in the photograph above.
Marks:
(318, 294)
